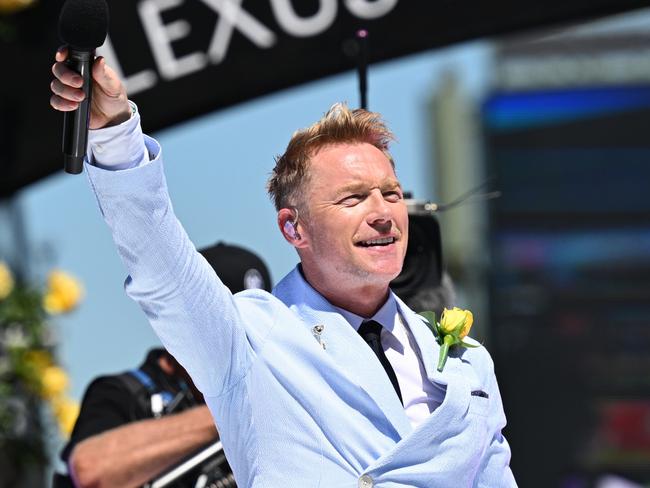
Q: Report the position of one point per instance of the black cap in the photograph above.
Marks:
(238, 268)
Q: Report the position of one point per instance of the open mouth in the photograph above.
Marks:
(382, 241)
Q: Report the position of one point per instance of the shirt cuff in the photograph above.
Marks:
(120, 146)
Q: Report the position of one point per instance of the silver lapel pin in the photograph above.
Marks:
(317, 330)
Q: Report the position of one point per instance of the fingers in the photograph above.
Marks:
(67, 92)
(66, 75)
(62, 104)
(66, 86)
(61, 53)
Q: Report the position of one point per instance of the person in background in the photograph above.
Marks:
(134, 425)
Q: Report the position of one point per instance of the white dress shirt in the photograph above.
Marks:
(420, 396)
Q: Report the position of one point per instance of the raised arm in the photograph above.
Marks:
(192, 312)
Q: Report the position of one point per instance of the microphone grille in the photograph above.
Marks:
(83, 24)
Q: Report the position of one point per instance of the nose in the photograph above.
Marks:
(379, 215)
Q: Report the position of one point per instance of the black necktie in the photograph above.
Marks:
(371, 333)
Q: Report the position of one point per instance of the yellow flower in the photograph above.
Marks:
(456, 322)
(54, 382)
(469, 321)
(6, 281)
(66, 411)
(9, 6)
(453, 327)
(38, 361)
(63, 293)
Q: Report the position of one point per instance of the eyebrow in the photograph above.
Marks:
(390, 184)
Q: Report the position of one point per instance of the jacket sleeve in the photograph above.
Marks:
(191, 311)
(495, 470)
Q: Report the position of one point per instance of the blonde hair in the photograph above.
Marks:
(339, 125)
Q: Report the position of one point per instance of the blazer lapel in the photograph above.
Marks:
(357, 366)
(359, 363)
(455, 378)
(429, 350)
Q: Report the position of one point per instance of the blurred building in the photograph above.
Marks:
(557, 269)
(562, 258)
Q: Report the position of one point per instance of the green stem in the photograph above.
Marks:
(444, 351)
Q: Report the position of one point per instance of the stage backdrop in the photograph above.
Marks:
(184, 58)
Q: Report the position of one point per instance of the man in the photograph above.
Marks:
(299, 397)
(134, 425)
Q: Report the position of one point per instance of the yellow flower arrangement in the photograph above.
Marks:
(51, 383)
(452, 329)
(30, 375)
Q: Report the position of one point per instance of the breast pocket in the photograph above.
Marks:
(479, 403)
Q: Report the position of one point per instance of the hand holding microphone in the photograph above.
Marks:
(88, 91)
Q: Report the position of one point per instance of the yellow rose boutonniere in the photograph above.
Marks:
(453, 327)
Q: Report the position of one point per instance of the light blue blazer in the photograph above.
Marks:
(292, 413)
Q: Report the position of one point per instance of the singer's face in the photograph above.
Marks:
(356, 228)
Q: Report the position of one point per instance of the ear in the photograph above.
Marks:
(290, 227)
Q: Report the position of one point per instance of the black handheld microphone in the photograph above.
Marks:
(83, 25)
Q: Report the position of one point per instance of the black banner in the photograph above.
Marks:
(184, 58)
